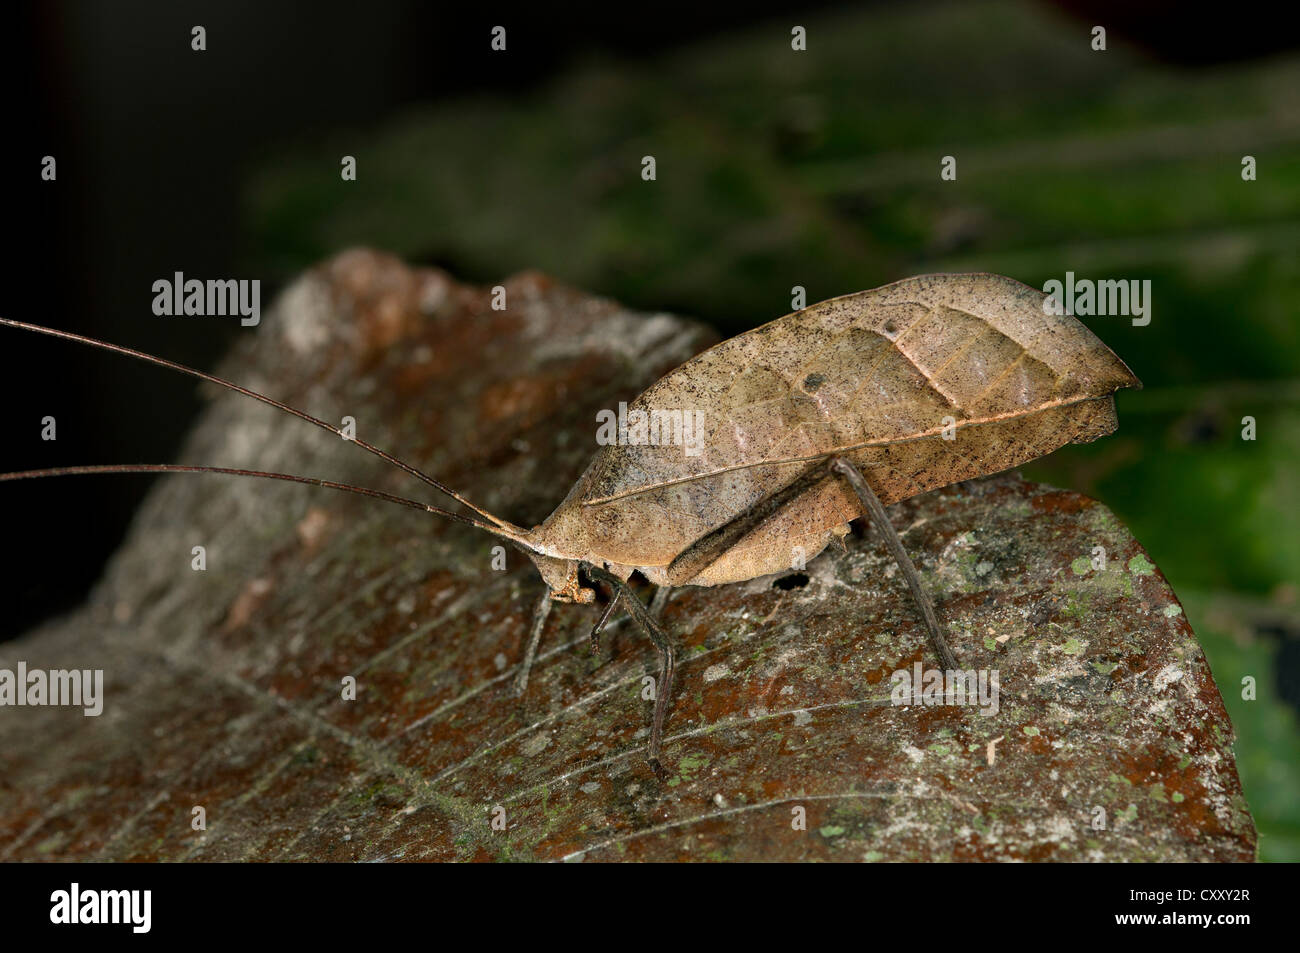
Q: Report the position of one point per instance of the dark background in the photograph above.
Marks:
(775, 169)
(155, 144)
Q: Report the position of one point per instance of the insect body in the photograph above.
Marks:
(809, 422)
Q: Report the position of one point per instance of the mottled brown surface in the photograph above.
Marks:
(920, 383)
(224, 685)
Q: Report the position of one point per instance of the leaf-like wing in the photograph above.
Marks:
(880, 376)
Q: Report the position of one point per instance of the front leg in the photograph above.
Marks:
(534, 637)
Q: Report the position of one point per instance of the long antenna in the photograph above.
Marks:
(213, 379)
(313, 481)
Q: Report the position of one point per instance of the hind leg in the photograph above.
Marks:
(880, 521)
(708, 548)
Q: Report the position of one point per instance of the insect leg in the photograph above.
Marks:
(539, 623)
(886, 529)
(709, 548)
(667, 658)
(604, 618)
(658, 601)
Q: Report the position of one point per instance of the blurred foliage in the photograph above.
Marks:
(821, 169)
